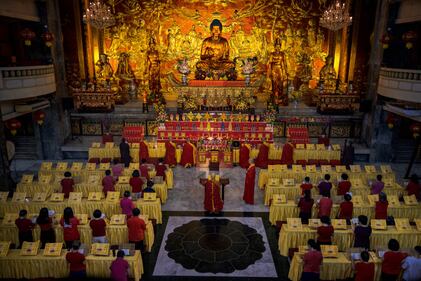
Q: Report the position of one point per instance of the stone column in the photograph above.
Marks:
(370, 127)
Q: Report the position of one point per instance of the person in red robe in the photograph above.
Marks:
(188, 156)
(287, 154)
(248, 195)
(212, 202)
(170, 158)
(144, 171)
(263, 156)
(244, 155)
(143, 151)
(160, 168)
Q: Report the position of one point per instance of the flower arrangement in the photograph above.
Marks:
(248, 66)
(270, 115)
(183, 66)
(161, 113)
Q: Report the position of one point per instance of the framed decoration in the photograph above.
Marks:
(100, 249)
(94, 196)
(29, 248)
(53, 249)
(40, 197)
(19, 197)
(279, 199)
(118, 219)
(294, 223)
(57, 197)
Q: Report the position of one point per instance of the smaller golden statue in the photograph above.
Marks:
(104, 71)
(328, 76)
(277, 72)
(124, 70)
(214, 56)
(153, 67)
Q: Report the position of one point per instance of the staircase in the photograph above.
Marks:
(25, 148)
(403, 149)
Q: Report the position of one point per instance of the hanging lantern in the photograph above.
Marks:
(13, 125)
(409, 38)
(415, 129)
(27, 35)
(386, 38)
(39, 117)
(48, 38)
(390, 120)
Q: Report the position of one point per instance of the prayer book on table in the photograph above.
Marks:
(372, 199)
(29, 248)
(39, 197)
(311, 168)
(393, 200)
(75, 196)
(271, 168)
(123, 179)
(45, 179)
(113, 196)
(378, 224)
(339, 224)
(340, 169)
(410, 200)
(57, 197)
(46, 166)
(4, 248)
(370, 169)
(77, 166)
(418, 224)
(314, 223)
(19, 197)
(326, 169)
(389, 183)
(386, 169)
(9, 218)
(279, 199)
(134, 166)
(118, 219)
(294, 223)
(83, 218)
(329, 251)
(355, 168)
(94, 196)
(104, 166)
(288, 182)
(282, 168)
(3, 196)
(100, 249)
(53, 249)
(149, 196)
(273, 181)
(61, 166)
(109, 145)
(357, 183)
(402, 224)
(94, 179)
(96, 145)
(90, 166)
(27, 179)
(297, 168)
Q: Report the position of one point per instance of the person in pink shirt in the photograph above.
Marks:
(119, 268)
(312, 260)
(325, 205)
(108, 182)
(117, 169)
(126, 204)
(377, 186)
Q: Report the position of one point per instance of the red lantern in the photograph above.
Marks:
(48, 38)
(390, 120)
(409, 38)
(13, 125)
(415, 129)
(39, 117)
(27, 35)
(385, 40)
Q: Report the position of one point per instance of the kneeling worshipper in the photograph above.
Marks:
(248, 195)
(212, 202)
(244, 155)
(143, 151)
(170, 149)
(287, 153)
(188, 156)
(263, 156)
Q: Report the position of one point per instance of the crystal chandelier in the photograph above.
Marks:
(336, 17)
(98, 15)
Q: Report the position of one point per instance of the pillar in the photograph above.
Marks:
(5, 179)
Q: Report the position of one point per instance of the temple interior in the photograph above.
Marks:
(211, 140)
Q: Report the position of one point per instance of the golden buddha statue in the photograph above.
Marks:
(104, 71)
(214, 56)
(328, 76)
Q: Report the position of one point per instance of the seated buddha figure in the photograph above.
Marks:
(328, 76)
(214, 56)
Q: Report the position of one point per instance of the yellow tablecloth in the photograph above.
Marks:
(152, 209)
(16, 266)
(407, 239)
(169, 178)
(291, 192)
(332, 268)
(292, 238)
(324, 154)
(116, 234)
(155, 150)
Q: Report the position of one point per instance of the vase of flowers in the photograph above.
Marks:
(248, 68)
(184, 69)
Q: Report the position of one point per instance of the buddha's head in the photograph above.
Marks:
(216, 28)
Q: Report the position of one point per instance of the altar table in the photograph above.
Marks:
(15, 266)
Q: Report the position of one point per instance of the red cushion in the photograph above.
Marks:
(323, 162)
(313, 162)
(93, 160)
(335, 162)
(301, 162)
(105, 160)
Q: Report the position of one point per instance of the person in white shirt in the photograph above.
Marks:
(412, 266)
